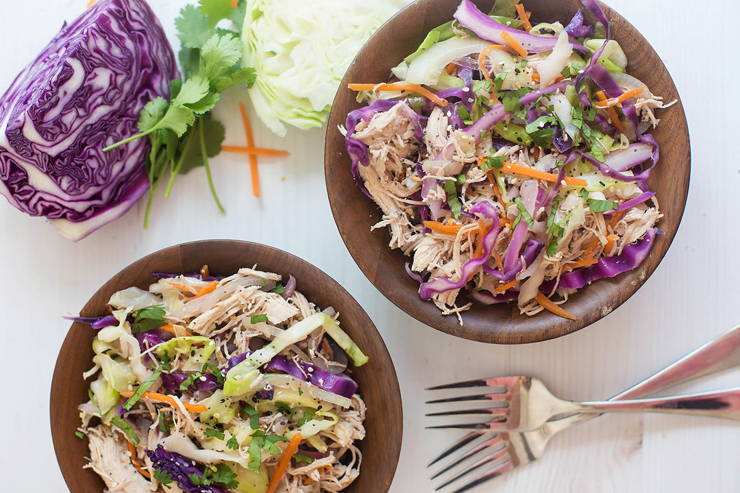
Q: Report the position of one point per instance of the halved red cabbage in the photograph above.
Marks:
(631, 258)
(82, 92)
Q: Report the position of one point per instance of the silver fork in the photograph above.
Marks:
(494, 454)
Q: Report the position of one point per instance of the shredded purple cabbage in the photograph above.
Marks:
(172, 381)
(167, 275)
(307, 372)
(95, 322)
(577, 26)
(289, 287)
(631, 258)
(180, 469)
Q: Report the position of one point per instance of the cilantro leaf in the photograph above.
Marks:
(307, 415)
(279, 289)
(224, 475)
(510, 99)
(243, 76)
(283, 407)
(215, 10)
(189, 59)
(254, 416)
(188, 382)
(215, 134)
(214, 433)
(232, 443)
(493, 162)
(80, 435)
(152, 113)
(162, 476)
(219, 55)
(149, 318)
(193, 28)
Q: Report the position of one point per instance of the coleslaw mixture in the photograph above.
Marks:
(510, 159)
(209, 385)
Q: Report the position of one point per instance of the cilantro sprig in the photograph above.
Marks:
(182, 132)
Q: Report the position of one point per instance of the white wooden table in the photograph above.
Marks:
(692, 297)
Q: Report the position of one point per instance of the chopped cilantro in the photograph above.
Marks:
(461, 178)
(165, 422)
(80, 435)
(452, 199)
(149, 318)
(232, 443)
(215, 371)
(214, 433)
(255, 319)
(162, 476)
(279, 289)
(254, 416)
(307, 414)
(262, 441)
(510, 99)
(302, 458)
(283, 407)
(493, 162)
(188, 382)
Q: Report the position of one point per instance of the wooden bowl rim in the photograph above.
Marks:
(476, 331)
(392, 444)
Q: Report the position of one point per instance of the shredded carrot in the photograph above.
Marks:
(451, 68)
(234, 4)
(548, 305)
(536, 77)
(168, 399)
(591, 247)
(483, 57)
(253, 169)
(541, 175)
(446, 229)
(514, 44)
(623, 97)
(135, 461)
(613, 116)
(400, 86)
(483, 230)
(584, 262)
(183, 287)
(504, 288)
(284, 462)
(614, 220)
(168, 328)
(257, 151)
(208, 288)
(611, 242)
(524, 16)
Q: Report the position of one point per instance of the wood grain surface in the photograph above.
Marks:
(377, 379)
(354, 213)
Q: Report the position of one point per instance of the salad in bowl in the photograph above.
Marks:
(203, 384)
(510, 158)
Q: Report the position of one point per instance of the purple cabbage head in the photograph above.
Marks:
(84, 91)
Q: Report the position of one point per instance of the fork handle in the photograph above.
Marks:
(714, 356)
(715, 404)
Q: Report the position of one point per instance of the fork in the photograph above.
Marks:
(524, 403)
(506, 451)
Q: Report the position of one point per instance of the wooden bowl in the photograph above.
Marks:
(354, 213)
(377, 379)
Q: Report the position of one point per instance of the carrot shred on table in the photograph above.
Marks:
(257, 151)
(135, 461)
(613, 116)
(253, 168)
(518, 169)
(514, 44)
(505, 287)
(551, 307)
(400, 86)
(168, 399)
(524, 16)
(284, 462)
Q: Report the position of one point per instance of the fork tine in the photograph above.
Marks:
(492, 474)
(491, 443)
(463, 398)
(486, 425)
(459, 385)
(485, 411)
(498, 454)
(456, 446)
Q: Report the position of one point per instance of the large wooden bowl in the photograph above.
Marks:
(377, 379)
(502, 324)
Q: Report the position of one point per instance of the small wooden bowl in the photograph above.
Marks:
(377, 379)
(502, 324)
